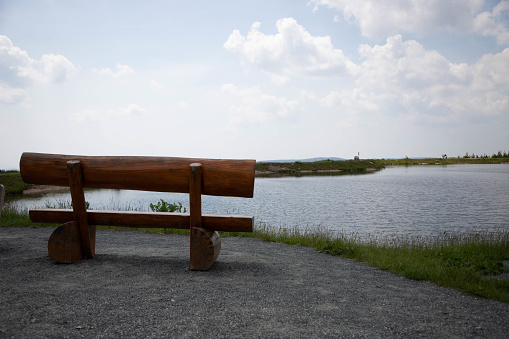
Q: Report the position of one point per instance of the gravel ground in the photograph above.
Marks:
(138, 286)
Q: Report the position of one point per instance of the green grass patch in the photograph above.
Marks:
(448, 161)
(326, 165)
(471, 262)
(13, 216)
(13, 183)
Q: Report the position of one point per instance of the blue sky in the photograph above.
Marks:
(254, 79)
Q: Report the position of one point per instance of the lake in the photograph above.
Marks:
(417, 200)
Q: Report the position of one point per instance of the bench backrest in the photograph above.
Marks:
(220, 177)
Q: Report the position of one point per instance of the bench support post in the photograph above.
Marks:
(74, 240)
(205, 244)
(64, 244)
(87, 233)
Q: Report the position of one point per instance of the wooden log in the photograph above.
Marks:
(160, 174)
(2, 194)
(195, 184)
(205, 248)
(226, 223)
(204, 244)
(80, 209)
(64, 245)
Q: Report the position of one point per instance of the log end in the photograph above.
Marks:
(205, 248)
(64, 244)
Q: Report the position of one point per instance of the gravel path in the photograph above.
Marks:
(138, 286)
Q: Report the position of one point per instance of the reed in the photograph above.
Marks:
(14, 216)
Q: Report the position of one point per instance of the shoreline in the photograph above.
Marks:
(43, 189)
(297, 168)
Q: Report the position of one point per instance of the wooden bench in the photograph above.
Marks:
(75, 239)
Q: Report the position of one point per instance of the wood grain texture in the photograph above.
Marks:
(160, 174)
(64, 245)
(79, 207)
(226, 223)
(195, 184)
(205, 248)
(75, 239)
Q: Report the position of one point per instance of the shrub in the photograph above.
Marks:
(164, 206)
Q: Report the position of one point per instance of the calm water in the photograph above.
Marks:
(418, 200)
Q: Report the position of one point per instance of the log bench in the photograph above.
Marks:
(75, 239)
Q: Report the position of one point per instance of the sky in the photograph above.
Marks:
(264, 79)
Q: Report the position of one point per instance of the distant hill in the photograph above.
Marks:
(305, 160)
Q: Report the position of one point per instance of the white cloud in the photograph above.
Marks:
(407, 63)
(16, 67)
(292, 51)
(402, 78)
(122, 70)
(18, 71)
(397, 78)
(156, 84)
(250, 105)
(489, 23)
(122, 112)
(12, 96)
(380, 19)
(51, 68)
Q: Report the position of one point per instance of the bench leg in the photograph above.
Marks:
(64, 245)
(205, 244)
(79, 207)
(205, 247)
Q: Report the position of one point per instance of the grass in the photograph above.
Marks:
(471, 262)
(326, 165)
(362, 166)
(13, 216)
(440, 161)
(12, 182)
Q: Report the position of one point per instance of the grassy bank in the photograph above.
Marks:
(440, 161)
(363, 166)
(12, 182)
(15, 185)
(471, 263)
(292, 168)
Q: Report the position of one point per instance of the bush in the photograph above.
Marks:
(164, 206)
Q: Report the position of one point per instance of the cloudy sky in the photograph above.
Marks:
(254, 79)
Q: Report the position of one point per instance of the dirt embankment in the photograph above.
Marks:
(43, 189)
